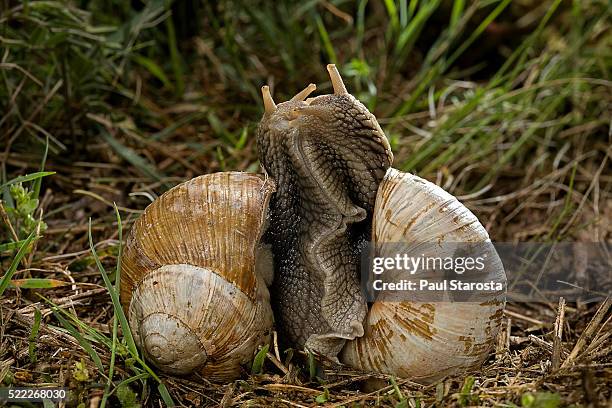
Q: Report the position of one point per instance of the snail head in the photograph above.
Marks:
(335, 130)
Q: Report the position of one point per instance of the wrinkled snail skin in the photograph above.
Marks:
(327, 155)
(426, 341)
(192, 282)
(331, 162)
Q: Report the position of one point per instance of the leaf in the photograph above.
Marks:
(541, 400)
(6, 278)
(243, 139)
(322, 398)
(400, 396)
(27, 177)
(9, 246)
(466, 391)
(175, 56)
(327, 44)
(259, 359)
(47, 403)
(80, 372)
(153, 68)
(127, 333)
(312, 366)
(38, 283)
(127, 397)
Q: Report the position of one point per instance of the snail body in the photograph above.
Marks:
(321, 212)
(194, 275)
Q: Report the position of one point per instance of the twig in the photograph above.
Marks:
(7, 221)
(523, 317)
(277, 363)
(557, 345)
(588, 332)
(542, 343)
(289, 387)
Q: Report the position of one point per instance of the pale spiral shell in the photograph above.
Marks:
(426, 340)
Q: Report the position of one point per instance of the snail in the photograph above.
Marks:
(199, 261)
(194, 276)
(335, 191)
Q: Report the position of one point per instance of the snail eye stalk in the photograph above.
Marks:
(269, 104)
(336, 80)
(300, 96)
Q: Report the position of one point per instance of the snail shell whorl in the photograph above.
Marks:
(190, 286)
(425, 341)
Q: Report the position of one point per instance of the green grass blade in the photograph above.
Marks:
(132, 157)
(478, 31)
(9, 246)
(175, 56)
(172, 128)
(153, 68)
(127, 333)
(27, 177)
(141, 376)
(516, 146)
(410, 34)
(412, 8)
(111, 367)
(163, 391)
(327, 44)
(458, 7)
(38, 181)
(91, 333)
(403, 13)
(393, 15)
(396, 389)
(120, 252)
(6, 278)
(521, 52)
(34, 335)
(312, 366)
(38, 283)
(83, 342)
(360, 26)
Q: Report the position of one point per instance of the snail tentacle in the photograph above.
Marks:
(269, 104)
(303, 94)
(336, 80)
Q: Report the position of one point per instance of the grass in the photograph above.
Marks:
(504, 104)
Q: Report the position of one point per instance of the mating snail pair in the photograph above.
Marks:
(199, 261)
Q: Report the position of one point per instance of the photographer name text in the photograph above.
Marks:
(435, 286)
